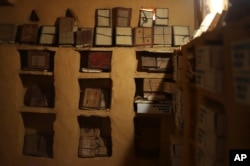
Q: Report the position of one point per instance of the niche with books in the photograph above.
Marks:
(39, 90)
(95, 94)
(95, 137)
(154, 61)
(150, 96)
(95, 61)
(39, 132)
(147, 136)
(37, 60)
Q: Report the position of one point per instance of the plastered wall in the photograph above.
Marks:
(67, 89)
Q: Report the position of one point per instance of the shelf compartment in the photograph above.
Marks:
(147, 136)
(154, 62)
(95, 61)
(95, 94)
(150, 98)
(95, 137)
(37, 60)
(38, 90)
(39, 132)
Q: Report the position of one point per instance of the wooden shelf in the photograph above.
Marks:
(153, 75)
(89, 75)
(36, 109)
(101, 113)
(35, 47)
(158, 49)
(43, 73)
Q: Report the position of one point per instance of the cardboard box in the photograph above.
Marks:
(162, 36)
(121, 16)
(161, 16)
(212, 120)
(103, 18)
(146, 18)
(240, 53)
(181, 35)
(241, 83)
(123, 36)
(103, 36)
(210, 57)
(143, 37)
(211, 144)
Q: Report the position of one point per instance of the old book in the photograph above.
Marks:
(38, 60)
(121, 16)
(91, 98)
(99, 60)
(65, 24)
(47, 39)
(161, 16)
(146, 18)
(162, 36)
(47, 35)
(8, 33)
(29, 33)
(103, 36)
(143, 37)
(65, 31)
(123, 36)
(66, 38)
(84, 37)
(103, 18)
(48, 29)
(148, 62)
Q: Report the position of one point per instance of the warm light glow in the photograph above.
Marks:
(217, 6)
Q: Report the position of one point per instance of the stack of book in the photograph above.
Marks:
(91, 144)
(154, 100)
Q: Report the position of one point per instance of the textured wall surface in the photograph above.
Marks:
(66, 73)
